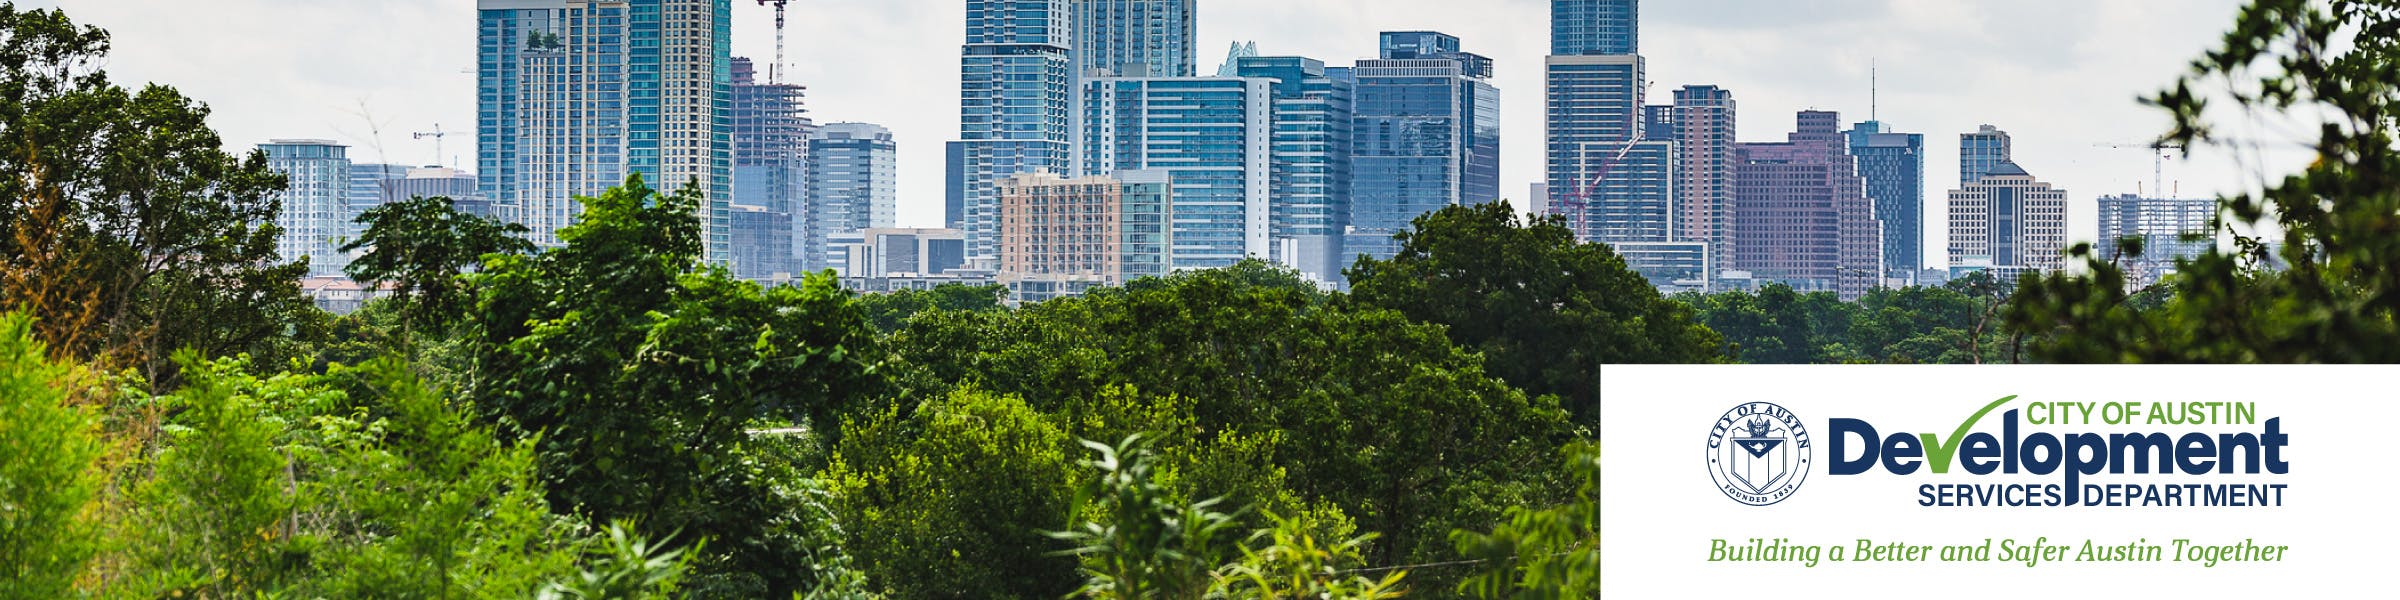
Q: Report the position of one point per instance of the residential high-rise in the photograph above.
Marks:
(771, 132)
(1015, 95)
(853, 184)
(1704, 170)
(1893, 166)
(2162, 225)
(1308, 149)
(1210, 135)
(316, 212)
(1135, 38)
(2009, 223)
(1594, 27)
(1980, 152)
(1425, 134)
(575, 94)
(1802, 215)
(954, 185)
(1061, 236)
(1607, 170)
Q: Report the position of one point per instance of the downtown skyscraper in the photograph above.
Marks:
(573, 95)
(1135, 38)
(316, 214)
(2009, 223)
(1802, 214)
(1425, 135)
(1209, 135)
(1309, 160)
(1015, 97)
(853, 185)
(1893, 167)
(1614, 180)
(770, 137)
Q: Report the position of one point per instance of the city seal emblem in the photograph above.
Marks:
(1758, 453)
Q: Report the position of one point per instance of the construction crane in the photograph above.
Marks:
(1581, 197)
(437, 135)
(2158, 164)
(775, 71)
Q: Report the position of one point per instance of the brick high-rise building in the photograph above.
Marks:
(1801, 212)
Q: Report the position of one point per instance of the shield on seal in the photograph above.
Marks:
(1759, 460)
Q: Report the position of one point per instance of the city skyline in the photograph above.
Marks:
(2042, 70)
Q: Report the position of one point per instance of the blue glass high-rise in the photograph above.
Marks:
(1594, 27)
(1014, 101)
(1209, 135)
(1309, 156)
(1135, 38)
(1893, 167)
(1425, 134)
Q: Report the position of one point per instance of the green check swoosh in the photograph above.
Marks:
(1938, 455)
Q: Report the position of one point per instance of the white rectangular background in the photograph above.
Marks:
(1659, 509)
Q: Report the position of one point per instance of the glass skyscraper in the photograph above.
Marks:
(316, 213)
(1594, 27)
(1980, 152)
(1015, 97)
(1802, 214)
(1309, 159)
(1425, 134)
(574, 94)
(1209, 135)
(1134, 38)
(1893, 165)
(853, 185)
(770, 151)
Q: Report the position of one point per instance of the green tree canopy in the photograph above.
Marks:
(1544, 310)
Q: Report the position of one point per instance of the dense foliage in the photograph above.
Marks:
(1545, 311)
(1956, 323)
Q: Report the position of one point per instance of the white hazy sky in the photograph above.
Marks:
(2060, 75)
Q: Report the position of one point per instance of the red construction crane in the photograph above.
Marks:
(775, 71)
(1581, 197)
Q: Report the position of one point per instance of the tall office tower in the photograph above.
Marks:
(2161, 224)
(1014, 98)
(1425, 134)
(316, 210)
(1613, 178)
(1209, 134)
(1308, 197)
(1061, 236)
(1802, 213)
(575, 94)
(1704, 170)
(1134, 38)
(1594, 27)
(853, 184)
(770, 137)
(368, 183)
(1893, 165)
(762, 243)
(1980, 152)
(2008, 223)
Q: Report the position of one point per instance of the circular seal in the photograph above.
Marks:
(1758, 453)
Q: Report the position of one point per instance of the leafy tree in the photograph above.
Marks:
(1141, 541)
(132, 231)
(1547, 554)
(49, 476)
(407, 498)
(951, 499)
(215, 517)
(1289, 560)
(1544, 310)
(887, 312)
(420, 245)
(2326, 290)
(640, 369)
(1404, 431)
(624, 566)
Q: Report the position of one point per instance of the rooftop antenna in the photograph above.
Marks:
(436, 134)
(1874, 93)
(775, 71)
